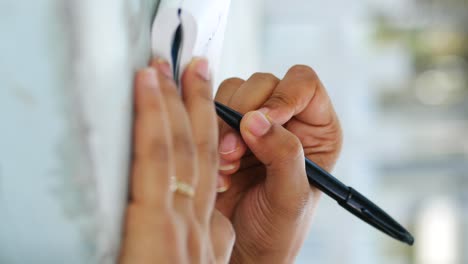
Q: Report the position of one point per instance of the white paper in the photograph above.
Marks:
(204, 25)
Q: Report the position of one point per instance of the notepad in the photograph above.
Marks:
(184, 29)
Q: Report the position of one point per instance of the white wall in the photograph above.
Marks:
(241, 55)
(66, 73)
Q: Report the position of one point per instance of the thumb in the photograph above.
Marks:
(282, 154)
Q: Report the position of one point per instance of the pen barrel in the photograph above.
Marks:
(325, 182)
(347, 197)
(360, 206)
(231, 117)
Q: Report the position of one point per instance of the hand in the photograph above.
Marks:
(267, 195)
(174, 137)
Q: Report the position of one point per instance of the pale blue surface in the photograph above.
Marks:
(33, 227)
(48, 197)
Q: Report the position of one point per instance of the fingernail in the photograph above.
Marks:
(264, 110)
(165, 68)
(202, 68)
(222, 184)
(228, 144)
(258, 124)
(226, 166)
(150, 78)
(267, 112)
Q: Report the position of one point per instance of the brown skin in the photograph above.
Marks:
(174, 137)
(268, 199)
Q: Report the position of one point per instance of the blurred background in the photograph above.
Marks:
(397, 72)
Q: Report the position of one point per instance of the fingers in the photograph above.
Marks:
(254, 92)
(227, 89)
(231, 147)
(173, 138)
(152, 153)
(152, 236)
(248, 96)
(197, 95)
(299, 88)
(222, 237)
(185, 159)
(149, 211)
(281, 152)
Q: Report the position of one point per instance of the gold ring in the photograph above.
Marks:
(182, 188)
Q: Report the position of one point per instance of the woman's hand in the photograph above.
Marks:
(267, 195)
(174, 137)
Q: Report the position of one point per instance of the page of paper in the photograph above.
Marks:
(204, 39)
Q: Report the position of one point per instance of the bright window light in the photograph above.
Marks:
(437, 230)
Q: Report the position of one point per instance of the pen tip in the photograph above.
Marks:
(409, 239)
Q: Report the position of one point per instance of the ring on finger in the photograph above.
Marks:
(180, 187)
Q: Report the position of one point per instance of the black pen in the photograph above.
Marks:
(347, 197)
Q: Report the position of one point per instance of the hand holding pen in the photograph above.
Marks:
(173, 183)
(268, 197)
(269, 201)
(255, 128)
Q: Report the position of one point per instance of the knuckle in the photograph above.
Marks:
(231, 82)
(266, 77)
(281, 98)
(183, 146)
(303, 70)
(170, 91)
(293, 145)
(309, 76)
(156, 150)
(151, 104)
(291, 148)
